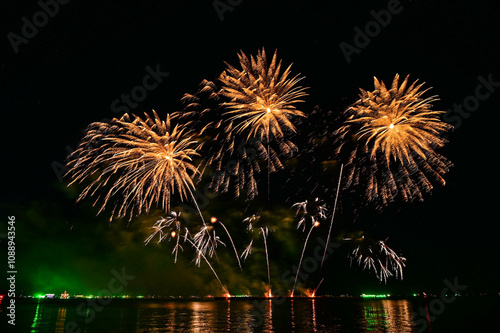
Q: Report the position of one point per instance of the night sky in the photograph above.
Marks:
(69, 73)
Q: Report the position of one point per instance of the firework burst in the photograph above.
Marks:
(248, 113)
(388, 142)
(261, 99)
(312, 212)
(379, 257)
(136, 162)
(168, 228)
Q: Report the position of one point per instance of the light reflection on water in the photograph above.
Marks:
(232, 315)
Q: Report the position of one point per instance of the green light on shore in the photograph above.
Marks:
(375, 295)
(40, 296)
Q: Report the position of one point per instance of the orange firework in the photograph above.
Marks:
(261, 99)
(137, 162)
(389, 139)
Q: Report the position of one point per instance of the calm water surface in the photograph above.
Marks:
(249, 315)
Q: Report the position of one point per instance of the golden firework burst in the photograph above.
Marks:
(138, 162)
(261, 99)
(395, 133)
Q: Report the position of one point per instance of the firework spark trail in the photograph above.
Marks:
(388, 141)
(314, 212)
(264, 236)
(232, 243)
(251, 220)
(206, 260)
(319, 284)
(333, 215)
(206, 243)
(300, 261)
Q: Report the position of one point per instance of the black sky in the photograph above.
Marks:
(90, 52)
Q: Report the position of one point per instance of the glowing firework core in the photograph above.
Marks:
(213, 219)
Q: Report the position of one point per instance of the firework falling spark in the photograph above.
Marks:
(254, 222)
(251, 221)
(389, 139)
(377, 256)
(199, 251)
(215, 220)
(138, 162)
(206, 240)
(313, 213)
(165, 228)
(317, 210)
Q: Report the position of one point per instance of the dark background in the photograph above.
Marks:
(91, 52)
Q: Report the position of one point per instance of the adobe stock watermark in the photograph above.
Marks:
(310, 264)
(89, 307)
(471, 103)
(30, 28)
(224, 6)
(153, 78)
(436, 307)
(139, 93)
(363, 37)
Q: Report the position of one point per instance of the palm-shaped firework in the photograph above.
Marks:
(376, 255)
(254, 222)
(206, 240)
(312, 212)
(168, 228)
(388, 143)
(137, 162)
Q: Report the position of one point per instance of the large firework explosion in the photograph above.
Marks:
(136, 162)
(250, 116)
(388, 143)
